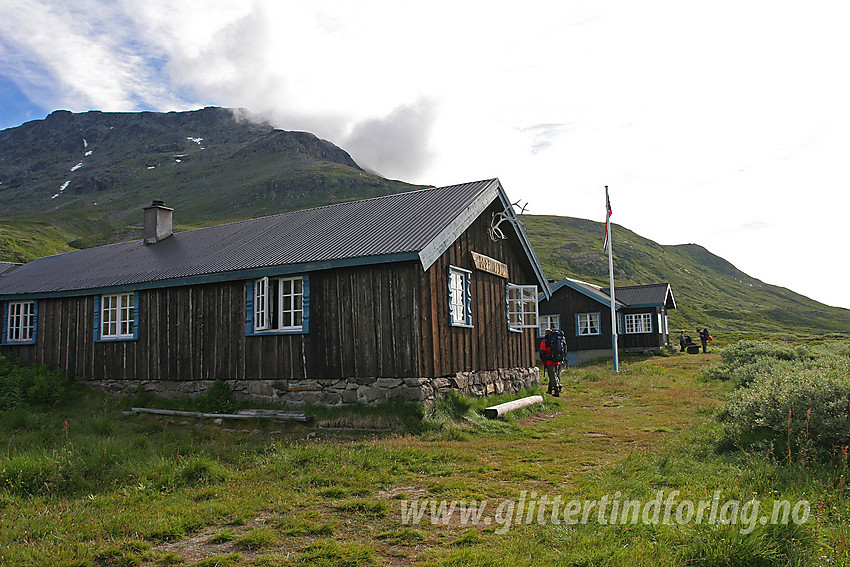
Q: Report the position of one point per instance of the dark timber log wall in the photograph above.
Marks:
(361, 324)
(489, 345)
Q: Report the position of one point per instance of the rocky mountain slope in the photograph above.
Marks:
(89, 173)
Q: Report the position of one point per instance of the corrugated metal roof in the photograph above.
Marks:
(652, 294)
(626, 296)
(372, 228)
(6, 267)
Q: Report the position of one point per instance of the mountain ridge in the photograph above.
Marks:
(212, 163)
(709, 290)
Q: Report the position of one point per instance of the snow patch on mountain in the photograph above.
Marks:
(62, 188)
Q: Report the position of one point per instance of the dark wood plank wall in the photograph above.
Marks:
(362, 324)
(643, 340)
(64, 337)
(489, 345)
(567, 302)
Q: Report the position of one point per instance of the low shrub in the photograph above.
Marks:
(745, 374)
(797, 404)
(744, 362)
(30, 385)
(748, 352)
(217, 399)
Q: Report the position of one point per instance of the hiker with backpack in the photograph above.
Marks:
(553, 353)
(704, 337)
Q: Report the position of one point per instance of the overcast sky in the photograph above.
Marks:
(722, 123)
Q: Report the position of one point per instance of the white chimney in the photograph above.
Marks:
(157, 222)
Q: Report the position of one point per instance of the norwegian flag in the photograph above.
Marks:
(607, 241)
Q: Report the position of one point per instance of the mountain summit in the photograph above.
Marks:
(211, 164)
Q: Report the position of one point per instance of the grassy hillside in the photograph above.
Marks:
(22, 241)
(709, 291)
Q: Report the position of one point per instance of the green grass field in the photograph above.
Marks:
(81, 484)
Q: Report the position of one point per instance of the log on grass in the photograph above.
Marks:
(243, 414)
(500, 410)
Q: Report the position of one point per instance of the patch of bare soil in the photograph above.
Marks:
(198, 546)
(537, 418)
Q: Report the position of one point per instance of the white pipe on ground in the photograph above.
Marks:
(500, 410)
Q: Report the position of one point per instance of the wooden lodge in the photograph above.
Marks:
(583, 312)
(402, 296)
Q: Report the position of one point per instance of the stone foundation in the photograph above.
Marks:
(340, 392)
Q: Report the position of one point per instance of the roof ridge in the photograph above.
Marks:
(636, 286)
(332, 205)
(584, 282)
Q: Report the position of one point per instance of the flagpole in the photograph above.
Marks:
(611, 278)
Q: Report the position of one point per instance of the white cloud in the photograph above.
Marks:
(396, 145)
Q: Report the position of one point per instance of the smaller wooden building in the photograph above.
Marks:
(583, 311)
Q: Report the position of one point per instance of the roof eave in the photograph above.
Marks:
(669, 298)
(235, 275)
(440, 243)
(603, 299)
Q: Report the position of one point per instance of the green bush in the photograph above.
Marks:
(744, 362)
(217, 399)
(795, 404)
(747, 373)
(833, 348)
(30, 385)
(748, 352)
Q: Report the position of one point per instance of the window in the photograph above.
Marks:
(290, 303)
(278, 305)
(548, 322)
(638, 322)
(19, 326)
(118, 316)
(261, 304)
(460, 302)
(522, 307)
(587, 324)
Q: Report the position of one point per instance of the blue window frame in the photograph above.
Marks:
(460, 299)
(116, 317)
(20, 323)
(278, 305)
